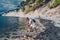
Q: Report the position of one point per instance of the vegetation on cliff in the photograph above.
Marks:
(54, 4)
(33, 4)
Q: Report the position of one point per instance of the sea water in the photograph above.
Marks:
(11, 27)
(6, 5)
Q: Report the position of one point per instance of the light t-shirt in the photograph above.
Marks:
(32, 24)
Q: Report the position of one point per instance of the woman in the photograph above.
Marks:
(31, 24)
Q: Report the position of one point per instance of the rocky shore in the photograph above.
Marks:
(45, 31)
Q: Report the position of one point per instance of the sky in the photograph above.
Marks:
(6, 5)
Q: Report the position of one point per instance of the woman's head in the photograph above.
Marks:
(33, 20)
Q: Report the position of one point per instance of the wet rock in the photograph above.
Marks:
(14, 33)
(16, 37)
(5, 39)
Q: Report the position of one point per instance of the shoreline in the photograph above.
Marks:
(43, 12)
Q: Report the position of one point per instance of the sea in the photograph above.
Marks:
(10, 27)
(6, 5)
(6, 23)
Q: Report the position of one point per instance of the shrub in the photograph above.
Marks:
(54, 4)
(38, 3)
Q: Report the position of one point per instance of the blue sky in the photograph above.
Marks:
(6, 5)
